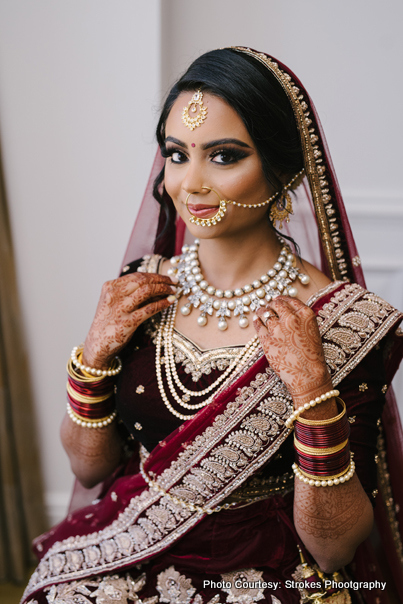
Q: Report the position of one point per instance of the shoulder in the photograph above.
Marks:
(317, 280)
(150, 263)
(352, 322)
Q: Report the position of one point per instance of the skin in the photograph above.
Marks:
(221, 155)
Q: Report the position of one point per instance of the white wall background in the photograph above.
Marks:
(80, 88)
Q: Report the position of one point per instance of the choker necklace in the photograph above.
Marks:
(239, 302)
(165, 340)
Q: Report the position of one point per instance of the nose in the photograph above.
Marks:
(193, 181)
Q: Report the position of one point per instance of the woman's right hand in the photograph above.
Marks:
(124, 304)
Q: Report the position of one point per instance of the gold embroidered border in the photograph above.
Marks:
(351, 324)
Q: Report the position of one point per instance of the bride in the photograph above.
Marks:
(230, 389)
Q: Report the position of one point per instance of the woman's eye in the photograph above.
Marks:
(177, 157)
(227, 157)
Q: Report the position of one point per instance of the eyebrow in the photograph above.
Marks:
(215, 143)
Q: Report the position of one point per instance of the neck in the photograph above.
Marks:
(231, 262)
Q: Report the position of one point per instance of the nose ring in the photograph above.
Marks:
(208, 222)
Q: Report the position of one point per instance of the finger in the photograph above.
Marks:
(153, 308)
(294, 303)
(266, 314)
(136, 280)
(280, 306)
(151, 292)
(259, 325)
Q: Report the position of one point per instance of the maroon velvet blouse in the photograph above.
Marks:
(148, 421)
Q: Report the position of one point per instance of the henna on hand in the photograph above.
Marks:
(125, 304)
(292, 344)
(321, 514)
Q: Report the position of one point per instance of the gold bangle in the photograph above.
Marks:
(88, 423)
(316, 451)
(315, 401)
(81, 398)
(328, 481)
(325, 422)
(80, 377)
(113, 370)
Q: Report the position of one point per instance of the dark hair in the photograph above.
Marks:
(258, 98)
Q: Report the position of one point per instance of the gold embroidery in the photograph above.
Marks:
(384, 389)
(198, 362)
(363, 387)
(140, 389)
(243, 593)
(352, 323)
(175, 588)
(138, 426)
(98, 590)
(356, 261)
(150, 263)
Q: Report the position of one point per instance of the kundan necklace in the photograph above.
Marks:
(239, 302)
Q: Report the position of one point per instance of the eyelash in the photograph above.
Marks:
(234, 153)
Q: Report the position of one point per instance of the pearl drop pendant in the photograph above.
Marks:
(243, 322)
(222, 325)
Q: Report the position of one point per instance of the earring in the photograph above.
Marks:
(281, 209)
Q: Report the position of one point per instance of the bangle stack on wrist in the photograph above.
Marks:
(322, 448)
(90, 395)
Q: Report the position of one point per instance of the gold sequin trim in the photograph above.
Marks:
(363, 387)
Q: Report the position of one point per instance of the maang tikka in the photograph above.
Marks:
(196, 102)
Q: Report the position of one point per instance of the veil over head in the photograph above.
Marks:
(321, 228)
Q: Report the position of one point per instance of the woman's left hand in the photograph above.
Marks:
(289, 334)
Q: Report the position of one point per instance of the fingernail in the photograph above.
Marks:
(255, 318)
(171, 299)
(174, 279)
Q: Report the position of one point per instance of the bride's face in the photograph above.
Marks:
(218, 154)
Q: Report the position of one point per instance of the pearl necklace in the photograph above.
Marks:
(165, 338)
(278, 280)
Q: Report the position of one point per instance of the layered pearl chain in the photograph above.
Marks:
(239, 302)
(165, 338)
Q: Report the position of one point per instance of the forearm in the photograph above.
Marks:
(332, 521)
(94, 453)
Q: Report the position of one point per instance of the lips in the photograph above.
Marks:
(202, 210)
